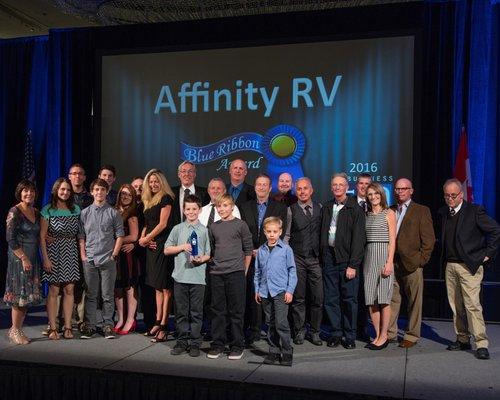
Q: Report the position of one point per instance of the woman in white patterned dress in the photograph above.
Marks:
(60, 222)
(378, 266)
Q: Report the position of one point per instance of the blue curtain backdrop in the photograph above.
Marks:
(46, 86)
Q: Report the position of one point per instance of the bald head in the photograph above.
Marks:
(403, 190)
(285, 182)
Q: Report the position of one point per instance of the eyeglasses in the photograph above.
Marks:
(403, 189)
(452, 196)
(186, 172)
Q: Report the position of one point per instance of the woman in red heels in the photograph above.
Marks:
(128, 266)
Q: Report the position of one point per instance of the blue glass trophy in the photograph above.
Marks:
(193, 240)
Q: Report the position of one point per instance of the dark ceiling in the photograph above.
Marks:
(36, 17)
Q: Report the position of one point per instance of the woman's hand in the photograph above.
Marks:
(26, 264)
(388, 269)
(47, 266)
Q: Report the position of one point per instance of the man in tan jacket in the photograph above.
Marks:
(414, 243)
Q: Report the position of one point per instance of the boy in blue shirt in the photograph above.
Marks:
(189, 277)
(275, 280)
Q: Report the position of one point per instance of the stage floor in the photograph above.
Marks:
(426, 371)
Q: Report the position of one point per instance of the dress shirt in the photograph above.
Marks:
(181, 197)
(333, 223)
(235, 191)
(401, 214)
(261, 210)
(457, 208)
(275, 270)
(205, 213)
(100, 226)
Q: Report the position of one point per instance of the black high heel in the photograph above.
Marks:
(153, 331)
(380, 347)
(161, 335)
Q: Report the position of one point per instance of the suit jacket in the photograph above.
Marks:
(247, 193)
(415, 240)
(250, 215)
(199, 191)
(477, 235)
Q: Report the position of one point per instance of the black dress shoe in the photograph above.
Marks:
(458, 346)
(482, 353)
(349, 344)
(334, 341)
(299, 338)
(315, 339)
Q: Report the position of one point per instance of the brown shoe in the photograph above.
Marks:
(406, 344)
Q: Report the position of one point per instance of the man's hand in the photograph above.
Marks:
(257, 298)
(288, 297)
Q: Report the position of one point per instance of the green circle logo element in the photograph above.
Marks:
(283, 145)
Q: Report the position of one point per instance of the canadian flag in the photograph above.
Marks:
(462, 167)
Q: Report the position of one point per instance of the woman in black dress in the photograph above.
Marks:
(128, 266)
(157, 197)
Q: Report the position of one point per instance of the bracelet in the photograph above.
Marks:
(23, 257)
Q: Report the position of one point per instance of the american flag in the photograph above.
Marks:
(28, 159)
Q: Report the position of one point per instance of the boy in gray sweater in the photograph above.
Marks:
(231, 243)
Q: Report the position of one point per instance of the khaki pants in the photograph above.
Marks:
(412, 285)
(463, 295)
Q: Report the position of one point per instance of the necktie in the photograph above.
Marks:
(400, 211)
(211, 217)
(308, 211)
(362, 204)
(187, 192)
(452, 212)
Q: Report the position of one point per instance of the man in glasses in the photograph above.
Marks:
(414, 244)
(76, 176)
(469, 241)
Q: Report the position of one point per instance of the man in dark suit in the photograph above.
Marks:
(469, 241)
(414, 243)
(303, 228)
(342, 242)
(186, 173)
(254, 212)
(239, 190)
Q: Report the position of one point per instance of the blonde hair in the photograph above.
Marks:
(224, 197)
(273, 220)
(148, 199)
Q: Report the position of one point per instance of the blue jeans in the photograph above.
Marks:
(341, 297)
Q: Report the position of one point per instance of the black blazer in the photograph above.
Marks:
(350, 238)
(477, 235)
(247, 193)
(250, 215)
(199, 191)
